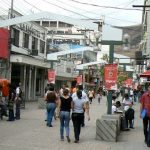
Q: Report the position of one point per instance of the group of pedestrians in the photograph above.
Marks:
(69, 106)
(10, 103)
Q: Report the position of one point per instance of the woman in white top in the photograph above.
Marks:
(78, 107)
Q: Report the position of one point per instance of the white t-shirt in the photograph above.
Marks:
(84, 96)
(78, 105)
(114, 109)
(126, 104)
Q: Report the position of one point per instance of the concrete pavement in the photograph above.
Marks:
(31, 133)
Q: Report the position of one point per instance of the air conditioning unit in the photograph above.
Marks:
(34, 52)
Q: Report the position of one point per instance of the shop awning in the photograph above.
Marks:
(145, 74)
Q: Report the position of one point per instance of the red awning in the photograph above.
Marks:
(145, 74)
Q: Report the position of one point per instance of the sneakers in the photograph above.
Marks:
(76, 141)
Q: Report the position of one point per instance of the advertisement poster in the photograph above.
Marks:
(110, 76)
(79, 79)
(128, 82)
(51, 76)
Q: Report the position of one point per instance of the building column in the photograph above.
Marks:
(24, 80)
(30, 74)
(34, 86)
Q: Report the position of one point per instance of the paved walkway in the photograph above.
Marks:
(31, 133)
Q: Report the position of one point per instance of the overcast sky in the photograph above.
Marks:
(118, 17)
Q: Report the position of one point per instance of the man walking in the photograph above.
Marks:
(18, 100)
(145, 107)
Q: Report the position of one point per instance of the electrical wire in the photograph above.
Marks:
(112, 7)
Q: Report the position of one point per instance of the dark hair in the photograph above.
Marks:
(65, 92)
(79, 94)
(51, 96)
(126, 96)
(51, 88)
(80, 87)
(118, 103)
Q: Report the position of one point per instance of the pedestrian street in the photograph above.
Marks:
(31, 132)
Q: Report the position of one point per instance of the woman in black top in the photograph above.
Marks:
(65, 107)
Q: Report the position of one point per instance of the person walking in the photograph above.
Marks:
(145, 107)
(85, 97)
(18, 100)
(11, 100)
(78, 107)
(65, 107)
(91, 95)
(51, 103)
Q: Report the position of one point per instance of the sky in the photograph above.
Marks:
(74, 8)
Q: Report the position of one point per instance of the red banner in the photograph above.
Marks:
(4, 37)
(110, 76)
(128, 82)
(51, 76)
(79, 79)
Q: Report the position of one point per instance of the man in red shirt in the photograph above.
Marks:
(145, 104)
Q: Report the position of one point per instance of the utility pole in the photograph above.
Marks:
(82, 57)
(111, 60)
(10, 42)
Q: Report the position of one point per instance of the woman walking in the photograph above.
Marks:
(65, 107)
(78, 107)
(52, 100)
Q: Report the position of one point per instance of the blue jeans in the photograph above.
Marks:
(50, 112)
(64, 123)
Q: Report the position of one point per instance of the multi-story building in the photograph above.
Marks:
(27, 58)
(145, 42)
(63, 36)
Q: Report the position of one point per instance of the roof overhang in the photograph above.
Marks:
(22, 59)
(81, 67)
(145, 74)
(53, 56)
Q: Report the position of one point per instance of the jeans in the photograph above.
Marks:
(50, 112)
(64, 123)
(17, 115)
(77, 119)
(146, 128)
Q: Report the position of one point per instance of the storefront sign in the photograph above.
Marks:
(51, 76)
(4, 37)
(128, 82)
(110, 76)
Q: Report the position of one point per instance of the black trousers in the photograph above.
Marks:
(17, 114)
(146, 128)
(11, 115)
(77, 119)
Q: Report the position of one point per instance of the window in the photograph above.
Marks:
(15, 39)
(42, 46)
(34, 43)
(45, 23)
(25, 40)
(53, 24)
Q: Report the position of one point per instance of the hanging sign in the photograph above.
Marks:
(51, 76)
(110, 76)
(79, 79)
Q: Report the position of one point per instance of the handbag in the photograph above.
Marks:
(143, 113)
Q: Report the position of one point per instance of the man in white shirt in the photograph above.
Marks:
(18, 100)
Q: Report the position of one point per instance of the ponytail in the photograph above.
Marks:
(79, 94)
